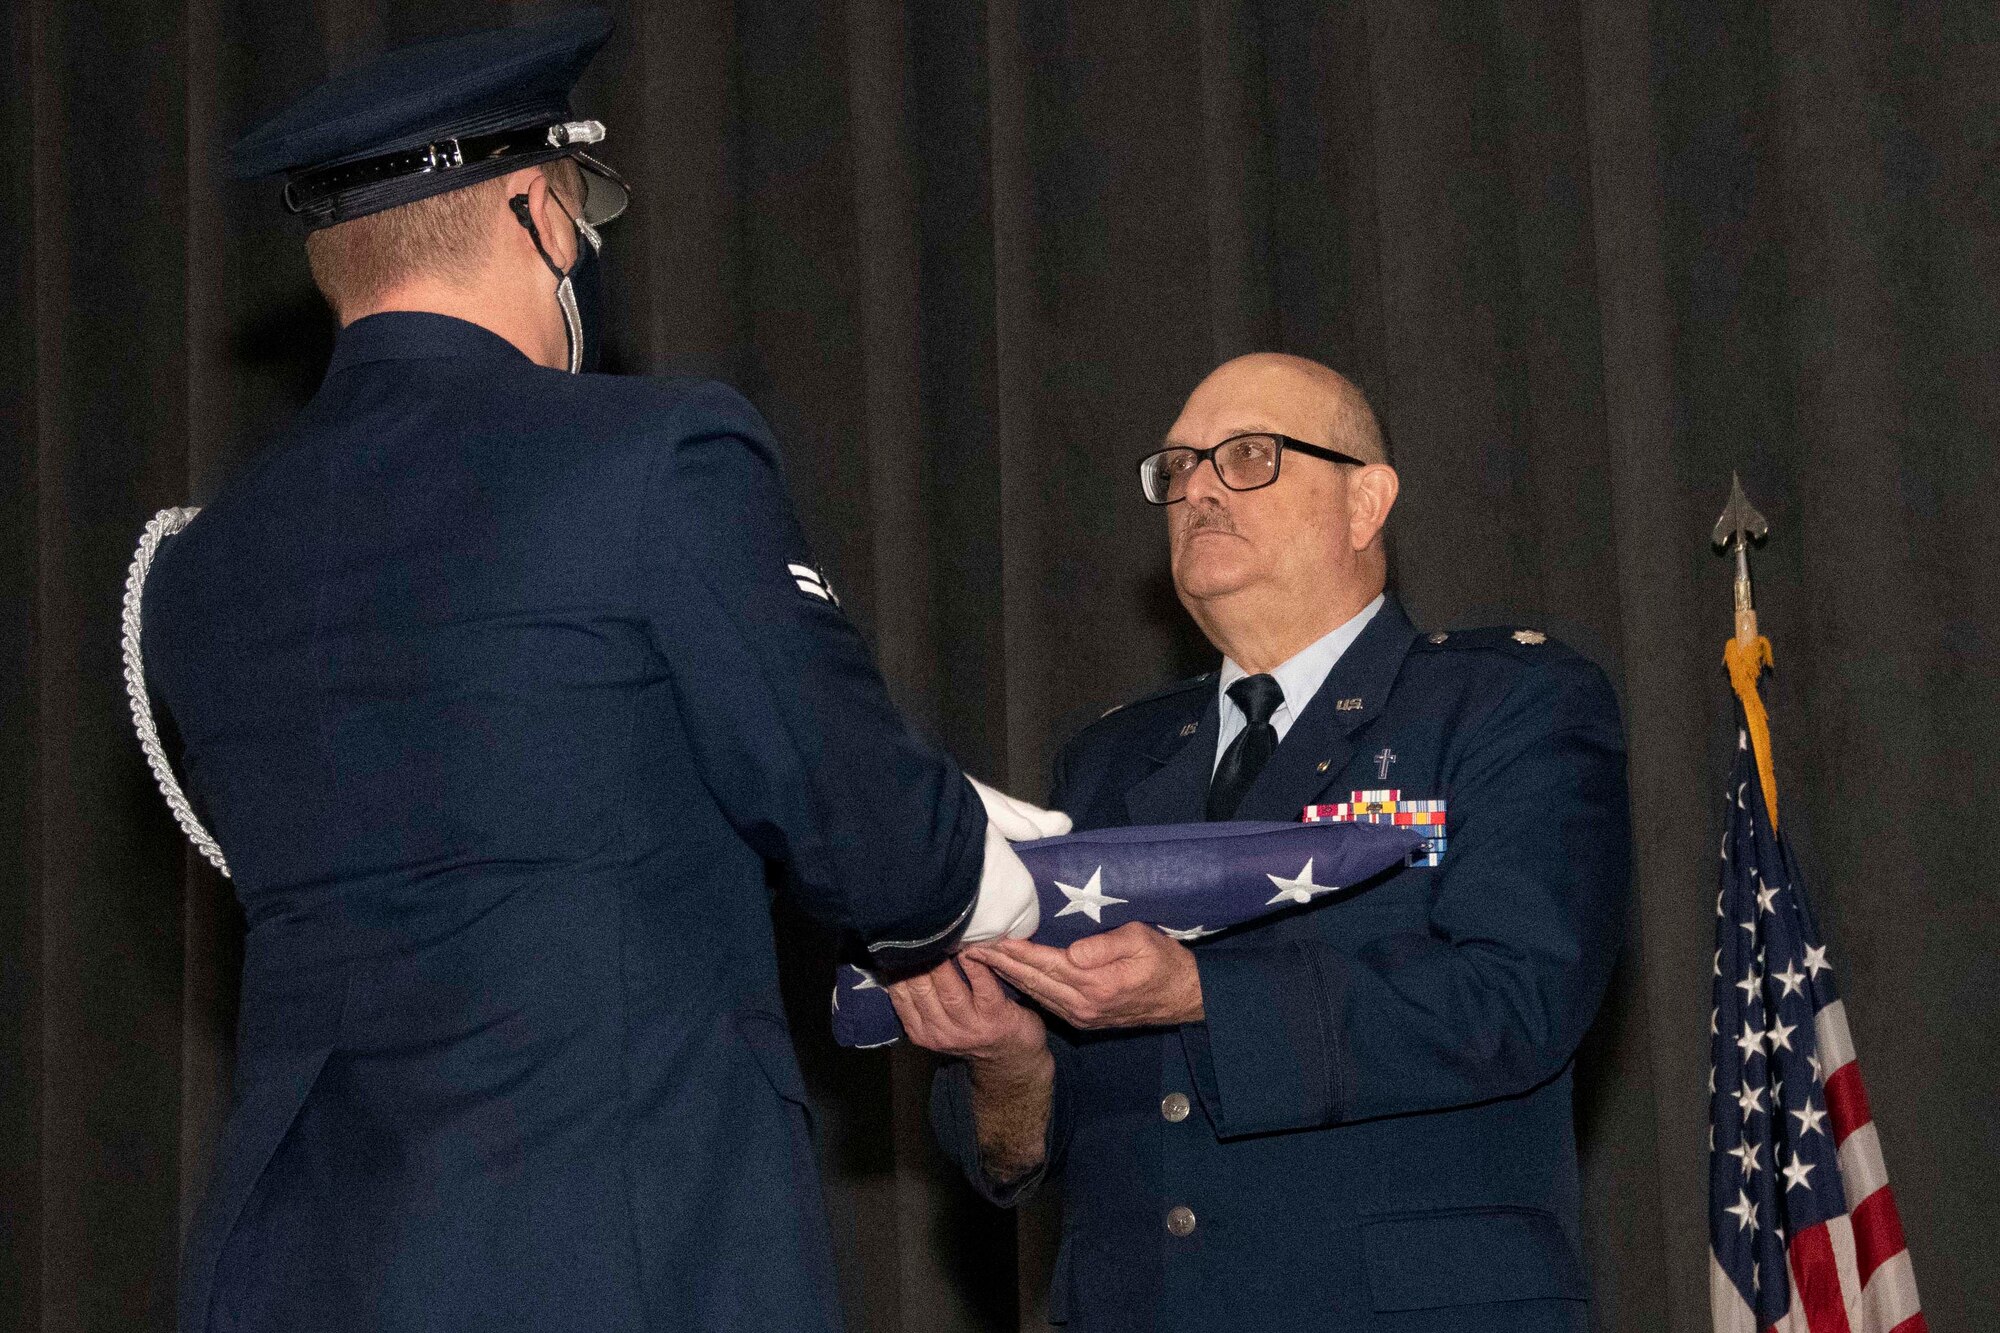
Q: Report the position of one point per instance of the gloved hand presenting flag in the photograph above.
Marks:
(1007, 903)
(1190, 880)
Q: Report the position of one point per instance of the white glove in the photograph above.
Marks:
(1018, 820)
(1007, 904)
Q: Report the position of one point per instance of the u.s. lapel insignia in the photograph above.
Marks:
(1385, 805)
(1530, 636)
(1348, 705)
(1190, 728)
(811, 582)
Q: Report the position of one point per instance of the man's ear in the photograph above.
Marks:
(545, 211)
(1372, 491)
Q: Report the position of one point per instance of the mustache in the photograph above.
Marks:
(1207, 517)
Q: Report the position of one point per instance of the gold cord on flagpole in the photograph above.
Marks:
(1746, 662)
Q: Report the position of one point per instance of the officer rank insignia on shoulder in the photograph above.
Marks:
(812, 582)
(1386, 806)
(1507, 640)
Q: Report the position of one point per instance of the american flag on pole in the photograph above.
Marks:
(1803, 1231)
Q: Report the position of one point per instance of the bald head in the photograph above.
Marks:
(1323, 405)
(1267, 571)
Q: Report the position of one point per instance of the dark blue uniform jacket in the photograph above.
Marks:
(1374, 1127)
(499, 691)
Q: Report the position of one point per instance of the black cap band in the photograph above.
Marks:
(318, 196)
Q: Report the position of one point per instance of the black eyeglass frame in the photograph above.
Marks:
(1277, 464)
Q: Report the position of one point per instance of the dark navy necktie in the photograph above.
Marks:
(1258, 697)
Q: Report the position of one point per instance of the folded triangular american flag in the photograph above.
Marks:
(1803, 1231)
(1190, 880)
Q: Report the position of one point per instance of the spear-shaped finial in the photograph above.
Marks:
(1739, 526)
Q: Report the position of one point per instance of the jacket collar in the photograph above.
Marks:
(1314, 751)
(1177, 791)
(412, 335)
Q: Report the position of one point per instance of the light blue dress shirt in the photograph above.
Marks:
(1300, 678)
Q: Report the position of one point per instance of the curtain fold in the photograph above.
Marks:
(968, 256)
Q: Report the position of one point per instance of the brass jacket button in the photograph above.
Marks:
(1174, 1106)
(1180, 1220)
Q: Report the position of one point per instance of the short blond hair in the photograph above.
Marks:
(357, 263)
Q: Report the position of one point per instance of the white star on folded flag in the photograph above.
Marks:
(1090, 899)
(1300, 889)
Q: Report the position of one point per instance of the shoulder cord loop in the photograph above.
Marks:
(164, 525)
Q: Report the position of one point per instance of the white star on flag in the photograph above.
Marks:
(1809, 1120)
(1796, 1173)
(1751, 1042)
(1750, 985)
(1791, 979)
(1816, 960)
(1745, 1212)
(1780, 1035)
(1300, 890)
(1190, 935)
(1091, 900)
(1751, 1100)
(1746, 1153)
(1765, 897)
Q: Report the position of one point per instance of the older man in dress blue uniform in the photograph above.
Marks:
(1355, 1116)
(511, 694)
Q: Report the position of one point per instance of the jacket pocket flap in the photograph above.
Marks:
(1060, 1278)
(770, 1041)
(1468, 1256)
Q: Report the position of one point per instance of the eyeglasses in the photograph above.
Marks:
(1243, 462)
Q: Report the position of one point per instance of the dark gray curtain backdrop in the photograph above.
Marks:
(1587, 256)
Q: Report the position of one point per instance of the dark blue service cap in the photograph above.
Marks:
(435, 117)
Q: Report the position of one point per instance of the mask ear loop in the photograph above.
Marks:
(583, 228)
(565, 291)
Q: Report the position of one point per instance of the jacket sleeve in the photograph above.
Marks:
(951, 1093)
(1492, 997)
(789, 721)
(958, 1135)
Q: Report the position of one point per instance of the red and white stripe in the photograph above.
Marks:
(1850, 1274)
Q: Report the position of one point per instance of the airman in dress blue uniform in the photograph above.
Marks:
(1355, 1116)
(509, 696)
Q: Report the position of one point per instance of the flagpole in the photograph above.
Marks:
(1803, 1225)
(1748, 653)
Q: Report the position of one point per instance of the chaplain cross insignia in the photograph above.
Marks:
(1383, 760)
